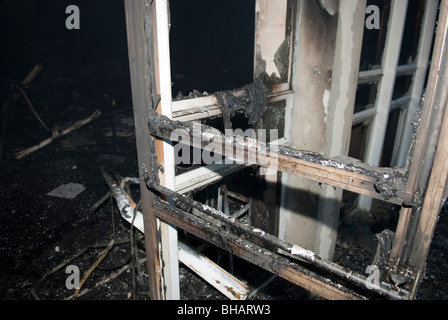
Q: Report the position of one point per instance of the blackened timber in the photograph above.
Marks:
(437, 185)
(296, 251)
(141, 66)
(426, 143)
(255, 254)
(253, 102)
(347, 173)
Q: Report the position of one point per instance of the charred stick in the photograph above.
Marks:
(41, 281)
(56, 135)
(94, 265)
(25, 96)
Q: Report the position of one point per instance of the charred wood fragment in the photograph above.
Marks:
(252, 102)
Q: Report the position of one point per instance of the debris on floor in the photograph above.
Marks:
(57, 133)
(58, 230)
(68, 191)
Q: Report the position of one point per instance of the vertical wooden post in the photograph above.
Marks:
(141, 65)
(149, 59)
(436, 138)
(418, 82)
(425, 143)
(164, 149)
(434, 198)
(437, 184)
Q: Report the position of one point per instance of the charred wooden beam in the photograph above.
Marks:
(433, 173)
(255, 254)
(296, 251)
(139, 16)
(220, 279)
(428, 142)
(350, 174)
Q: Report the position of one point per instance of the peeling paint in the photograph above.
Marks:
(326, 102)
(302, 253)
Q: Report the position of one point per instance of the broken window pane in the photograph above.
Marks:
(411, 34)
(402, 85)
(358, 140)
(365, 96)
(389, 139)
(374, 39)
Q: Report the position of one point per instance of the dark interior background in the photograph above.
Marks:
(34, 32)
(212, 42)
